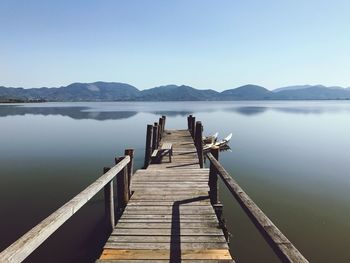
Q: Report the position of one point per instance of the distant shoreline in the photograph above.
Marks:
(116, 91)
(151, 101)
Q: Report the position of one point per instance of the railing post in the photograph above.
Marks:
(155, 137)
(130, 152)
(148, 148)
(213, 177)
(189, 122)
(161, 128)
(193, 126)
(199, 142)
(164, 119)
(122, 186)
(109, 201)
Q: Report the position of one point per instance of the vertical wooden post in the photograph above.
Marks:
(148, 149)
(199, 142)
(213, 177)
(189, 122)
(122, 186)
(155, 137)
(109, 201)
(130, 152)
(193, 126)
(164, 119)
(161, 128)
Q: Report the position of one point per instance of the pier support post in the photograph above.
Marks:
(122, 186)
(161, 128)
(130, 152)
(189, 122)
(109, 202)
(213, 177)
(199, 142)
(155, 137)
(148, 148)
(193, 126)
(164, 119)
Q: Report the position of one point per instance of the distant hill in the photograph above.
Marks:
(115, 91)
(297, 87)
(247, 92)
(97, 91)
(177, 93)
(317, 92)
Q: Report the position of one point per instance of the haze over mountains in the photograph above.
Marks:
(114, 91)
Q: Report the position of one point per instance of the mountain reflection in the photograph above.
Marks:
(255, 110)
(249, 110)
(107, 111)
(77, 113)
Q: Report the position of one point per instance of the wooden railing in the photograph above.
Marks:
(196, 131)
(30, 241)
(283, 248)
(154, 135)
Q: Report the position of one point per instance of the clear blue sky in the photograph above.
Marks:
(202, 43)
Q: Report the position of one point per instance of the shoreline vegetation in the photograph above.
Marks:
(22, 101)
(115, 91)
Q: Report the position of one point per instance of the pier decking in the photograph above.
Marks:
(169, 216)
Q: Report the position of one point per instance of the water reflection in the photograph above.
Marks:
(77, 113)
(255, 110)
(249, 110)
(120, 110)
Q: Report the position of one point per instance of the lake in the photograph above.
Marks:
(291, 157)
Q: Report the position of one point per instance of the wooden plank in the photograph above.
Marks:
(169, 216)
(164, 254)
(154, 154)
(168, 220)
(169, 212)
(164, 203)
(167, 239)
(166, 225)
(169, 245)
(168, 232)
(161, 261)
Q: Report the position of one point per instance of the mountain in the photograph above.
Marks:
(177, 93)
(297, 87)
(317, 92)
(247, 92)
(115, 91)
(97, 91)
(301, 87)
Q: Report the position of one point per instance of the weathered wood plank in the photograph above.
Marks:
(167, 239)
(164, 203)
(168, 232)
(168, 216)
(175, 245)
(162, 261)
(166, 225)
(164, 254)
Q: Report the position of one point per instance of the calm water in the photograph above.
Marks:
(292, 158)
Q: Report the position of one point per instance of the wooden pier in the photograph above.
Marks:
(167, 212)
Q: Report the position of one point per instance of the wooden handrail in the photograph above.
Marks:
(284, 249)
(26, 244)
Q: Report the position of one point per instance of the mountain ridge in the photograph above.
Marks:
(117, 91)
